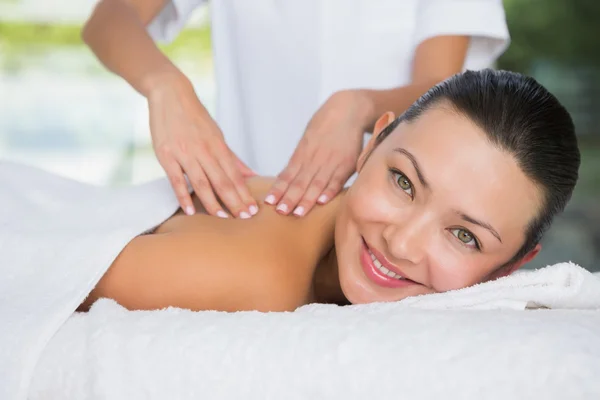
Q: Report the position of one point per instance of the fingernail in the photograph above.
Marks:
(322, 198)
(270, 199)
(299, 211)
(244, 215)
(222, 214)
(282, 207)
(253, 210)
(189, 210)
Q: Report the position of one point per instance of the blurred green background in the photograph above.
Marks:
(61, 110)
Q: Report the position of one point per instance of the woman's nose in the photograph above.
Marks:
(407, 241)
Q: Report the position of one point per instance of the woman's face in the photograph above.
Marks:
(435, 203)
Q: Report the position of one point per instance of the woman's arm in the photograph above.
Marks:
(116, 33)
(201, 270)
(435, 59)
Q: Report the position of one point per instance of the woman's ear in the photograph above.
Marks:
(380, 125)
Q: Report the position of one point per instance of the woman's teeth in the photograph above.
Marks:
(383, 269)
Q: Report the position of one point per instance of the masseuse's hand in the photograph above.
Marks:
(325, 157)
(187, 140)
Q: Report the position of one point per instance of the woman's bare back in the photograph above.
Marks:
(202, 262)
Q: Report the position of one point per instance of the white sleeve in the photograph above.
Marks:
(483, 20)
(171, 20)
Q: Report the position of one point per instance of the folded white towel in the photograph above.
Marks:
(564, 285)
(559, 286)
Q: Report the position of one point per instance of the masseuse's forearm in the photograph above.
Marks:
(116, 33)
(435, 59)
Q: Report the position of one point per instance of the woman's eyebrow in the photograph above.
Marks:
(484, 225)
(415, 164)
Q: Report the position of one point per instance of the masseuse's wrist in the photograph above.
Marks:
(162, 78)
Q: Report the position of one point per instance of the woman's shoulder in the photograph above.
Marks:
(304, 239)
(316, 226)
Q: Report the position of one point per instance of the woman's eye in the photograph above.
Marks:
(404, 183)
(466, 237)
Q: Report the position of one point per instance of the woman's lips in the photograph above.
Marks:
(376, 275)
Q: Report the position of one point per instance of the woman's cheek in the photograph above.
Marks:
(371, 203)
(450, 271)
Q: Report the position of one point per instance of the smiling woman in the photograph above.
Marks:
(456, 191)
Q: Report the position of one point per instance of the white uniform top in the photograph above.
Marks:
(277, 61)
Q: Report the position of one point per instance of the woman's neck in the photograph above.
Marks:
(326, 282)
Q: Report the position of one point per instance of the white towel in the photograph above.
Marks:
(58, 238)
(322, 352)
(560, 286)
(563, 285)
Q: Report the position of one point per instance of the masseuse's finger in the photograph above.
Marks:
(203, 189)
(223, 185)
(231, 167)
(315, 189)
(175, 175)
(246, 171)
(297, 189)
(283, 181)
(335, 185)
